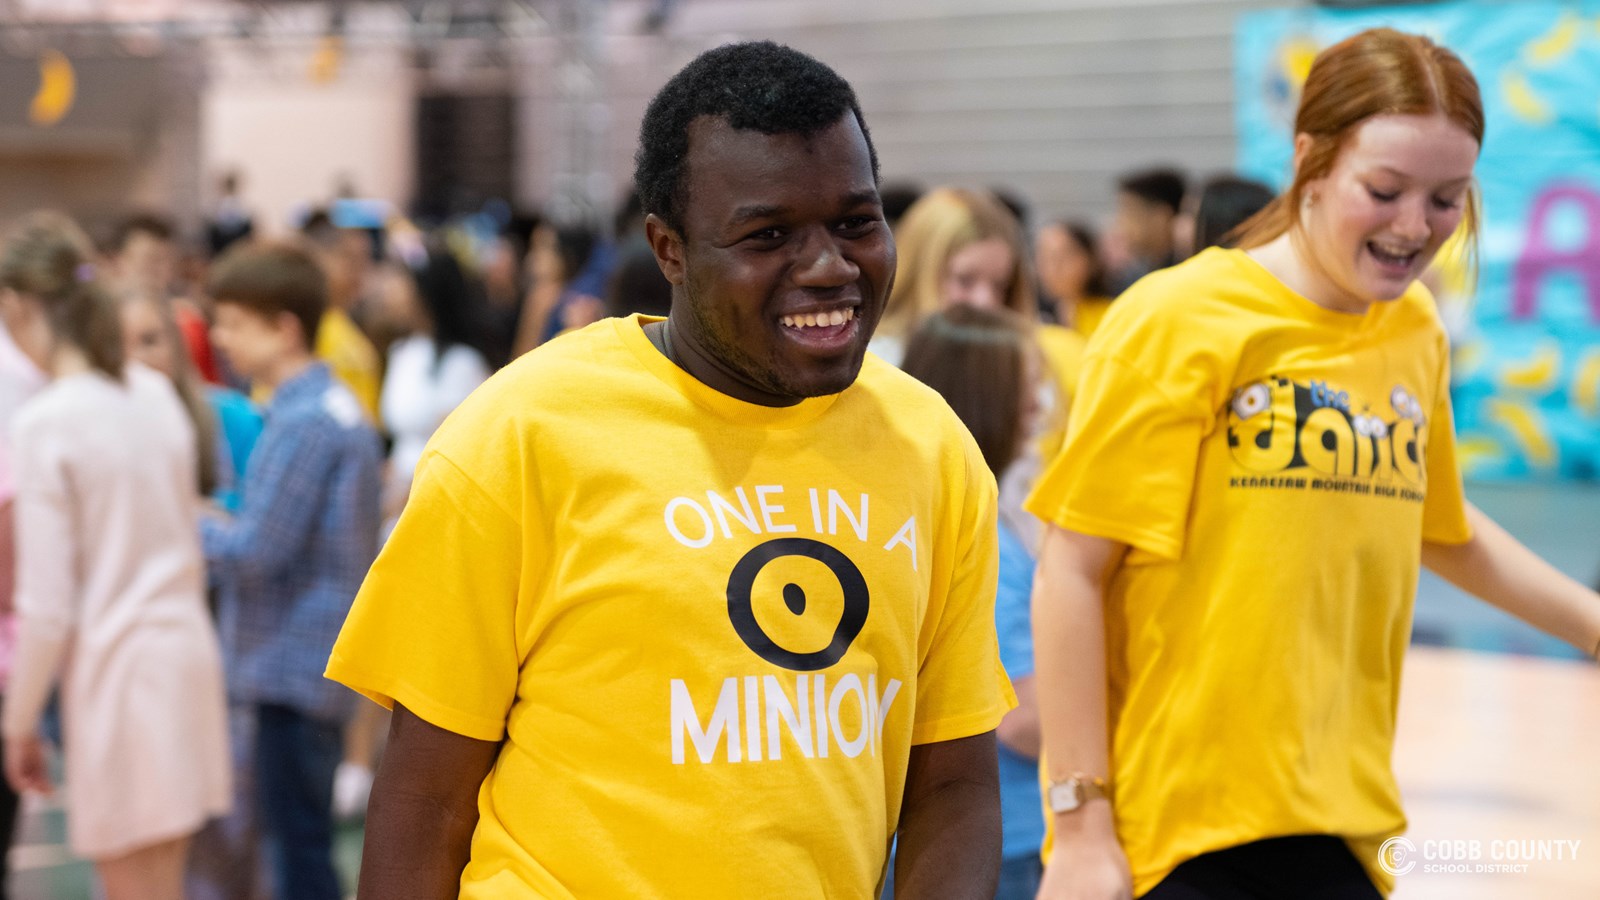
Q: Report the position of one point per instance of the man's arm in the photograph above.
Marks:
(950, 821)
(423, 810)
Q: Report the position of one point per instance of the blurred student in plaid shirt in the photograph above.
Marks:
(295, 554)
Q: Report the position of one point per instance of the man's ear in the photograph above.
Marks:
(667, 245)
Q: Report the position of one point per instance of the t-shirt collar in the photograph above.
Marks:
(631, 332)
(1294, 302)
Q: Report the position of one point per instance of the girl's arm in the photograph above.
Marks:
(1497, 568)
(1070, 677)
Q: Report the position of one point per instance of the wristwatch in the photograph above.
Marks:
(1075, 790)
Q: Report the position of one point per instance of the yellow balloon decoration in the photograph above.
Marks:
(327, 58)
(58, 87)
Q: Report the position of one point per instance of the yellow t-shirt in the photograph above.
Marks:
(1275, 467)
(1063, 350)
(351, 357)
(709, 631)
(1090, 312)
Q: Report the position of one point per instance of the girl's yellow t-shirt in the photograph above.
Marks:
(1274, 467)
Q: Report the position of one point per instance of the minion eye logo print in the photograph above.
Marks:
(835, 698)
(741, 612)
(1282, 427)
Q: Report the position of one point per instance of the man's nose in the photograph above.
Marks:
(823, 264)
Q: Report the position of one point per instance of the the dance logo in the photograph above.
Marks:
(758, 717)
(1319, 436)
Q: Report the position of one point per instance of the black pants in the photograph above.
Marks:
(8, 825)
(1303, 867)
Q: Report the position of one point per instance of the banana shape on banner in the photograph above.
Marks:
(1524, 103)
(58, 87)
(1526, 427)
(1586, 384)
(1475, 452)
(1537, 374)
(1296, 58)
(1555, 45)
(1468, 358)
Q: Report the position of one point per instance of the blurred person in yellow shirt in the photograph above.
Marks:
(345, 256)
(1067, 256)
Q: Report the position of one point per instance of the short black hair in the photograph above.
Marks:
(637, 285)
(898, 197)
(758, 86)
(1161, 187)
(1226, 202)
(449, 295)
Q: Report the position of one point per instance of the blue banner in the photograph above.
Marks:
(1527, 335)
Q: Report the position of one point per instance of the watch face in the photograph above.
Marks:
(1065, 797)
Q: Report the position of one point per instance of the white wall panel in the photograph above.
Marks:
(1050, 97)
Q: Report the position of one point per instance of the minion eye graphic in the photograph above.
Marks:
(1405, 404)
(1363, 425)
(741, 610)
(1251, 400)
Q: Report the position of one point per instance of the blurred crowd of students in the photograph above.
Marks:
(293, 384)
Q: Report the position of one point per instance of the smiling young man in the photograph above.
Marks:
(699, 607)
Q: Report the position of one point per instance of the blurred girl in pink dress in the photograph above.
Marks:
(110, 580)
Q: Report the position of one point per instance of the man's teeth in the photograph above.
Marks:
(822, 319)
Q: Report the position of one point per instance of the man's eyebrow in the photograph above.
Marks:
(750, 213)
(866, 195)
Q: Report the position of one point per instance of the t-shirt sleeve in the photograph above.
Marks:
(435, 625)
(1444, 509)
(1127, 470)
(962, 689)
